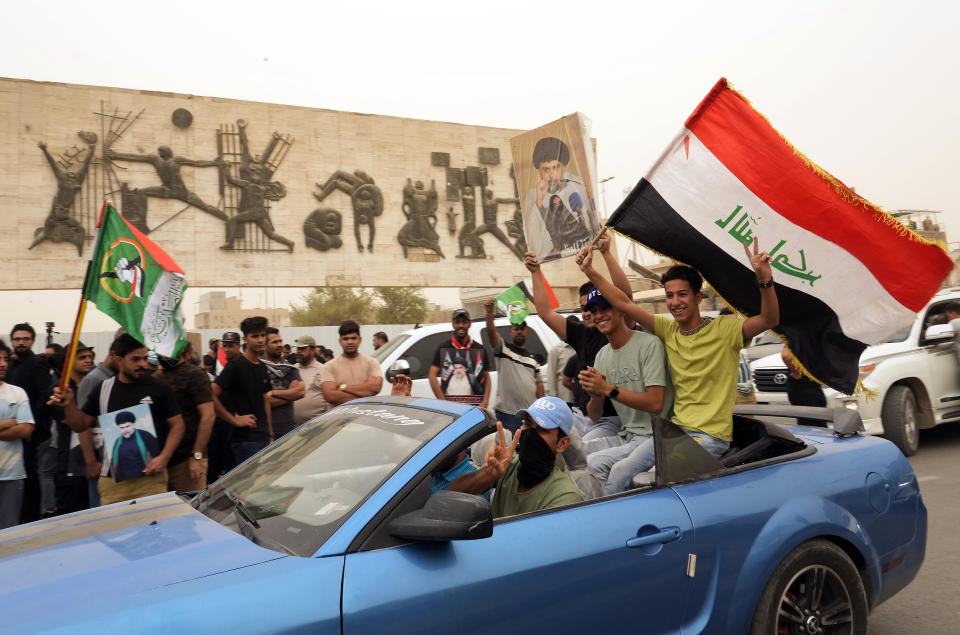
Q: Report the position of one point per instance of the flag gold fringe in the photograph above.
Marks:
(861, 389)
(879, 214)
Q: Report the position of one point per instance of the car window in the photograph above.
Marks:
(384, 351)
(299, 491)
(420, 354)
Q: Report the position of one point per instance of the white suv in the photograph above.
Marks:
(914, 373)
(418, 346)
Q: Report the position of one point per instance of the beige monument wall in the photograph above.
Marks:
(311, 146)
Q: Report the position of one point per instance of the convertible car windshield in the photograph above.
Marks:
(294, 495)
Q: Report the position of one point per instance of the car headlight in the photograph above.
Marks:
(866, 369)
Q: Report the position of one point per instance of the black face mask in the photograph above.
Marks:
(536, 458)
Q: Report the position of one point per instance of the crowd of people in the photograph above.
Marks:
(136, 424)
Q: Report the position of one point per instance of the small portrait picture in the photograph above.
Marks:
(461, 374)
(129, 442)
(555, 168)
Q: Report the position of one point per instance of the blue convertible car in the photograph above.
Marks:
(334, 530)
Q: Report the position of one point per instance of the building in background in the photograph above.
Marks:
(216, 310)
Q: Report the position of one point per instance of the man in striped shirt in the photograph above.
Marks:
(519, 382)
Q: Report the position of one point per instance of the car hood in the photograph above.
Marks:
(880, 352)
(134, 546)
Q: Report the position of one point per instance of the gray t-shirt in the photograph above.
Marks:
(639, 363)
(91, 382)
(518, 372)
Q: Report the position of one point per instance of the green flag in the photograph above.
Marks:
(137, 284)
(517, 301)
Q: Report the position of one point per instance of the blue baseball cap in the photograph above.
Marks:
(549, 413)
(595, 297)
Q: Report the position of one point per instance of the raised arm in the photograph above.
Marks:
(617, 298)
(53, 164)
(617, 276)
(122, 156)
(197, 163)
(492, 335)
(86, 162)
(769, 305)
(556, 322)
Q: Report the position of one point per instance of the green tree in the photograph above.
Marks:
(332, 305)
(400, 305)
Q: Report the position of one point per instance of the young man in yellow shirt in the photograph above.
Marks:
(703, 352)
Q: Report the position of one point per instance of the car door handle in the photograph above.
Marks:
(663, 536)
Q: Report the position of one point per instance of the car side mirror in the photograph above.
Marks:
(938, 332)
(446, 516)
(399, 367)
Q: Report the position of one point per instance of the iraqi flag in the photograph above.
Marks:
(136, 283)
(847, 274)
(516, 302)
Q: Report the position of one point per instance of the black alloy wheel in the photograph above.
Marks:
(816, 590)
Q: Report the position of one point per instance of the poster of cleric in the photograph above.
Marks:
(556, 177)
(129, 442)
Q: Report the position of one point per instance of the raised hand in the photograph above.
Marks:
(530, 262)
(759, 260)
(500, 454)
(541, 191)
(585, 259)
(604, 243)
(402, 384)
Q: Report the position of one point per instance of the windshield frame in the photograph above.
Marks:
(283, 532)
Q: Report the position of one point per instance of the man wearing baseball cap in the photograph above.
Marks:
(313, 402)
(460, 368)
(525, 472)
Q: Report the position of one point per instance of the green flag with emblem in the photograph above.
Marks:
(136, 283)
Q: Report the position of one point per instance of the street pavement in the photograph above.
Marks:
(931, 603)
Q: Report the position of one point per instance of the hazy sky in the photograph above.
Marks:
(868, 90)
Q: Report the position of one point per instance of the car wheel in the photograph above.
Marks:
(815, 590)
(899, 417)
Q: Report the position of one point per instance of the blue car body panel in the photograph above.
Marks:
(573, 563)
(613, 564)
(758, 516)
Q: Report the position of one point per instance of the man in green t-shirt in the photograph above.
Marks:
(631, 370)
(704, 353)
(525, 472)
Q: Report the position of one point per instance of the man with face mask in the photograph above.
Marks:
(525, 472)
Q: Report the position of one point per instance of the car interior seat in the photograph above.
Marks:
(750, 442)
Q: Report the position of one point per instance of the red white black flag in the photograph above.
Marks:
(847, 274)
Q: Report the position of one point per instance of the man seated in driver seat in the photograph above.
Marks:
(525, 472)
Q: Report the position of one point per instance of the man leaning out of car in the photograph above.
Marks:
(525, 472)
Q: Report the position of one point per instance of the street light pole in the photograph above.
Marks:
(603, 194)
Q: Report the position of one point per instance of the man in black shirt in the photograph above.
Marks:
(32, 373)
(285, 381)
(210, 359)
(241, 394)
(583, 337)
(130, 387)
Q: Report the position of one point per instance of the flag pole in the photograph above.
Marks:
(596, 239)
(81, 311)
